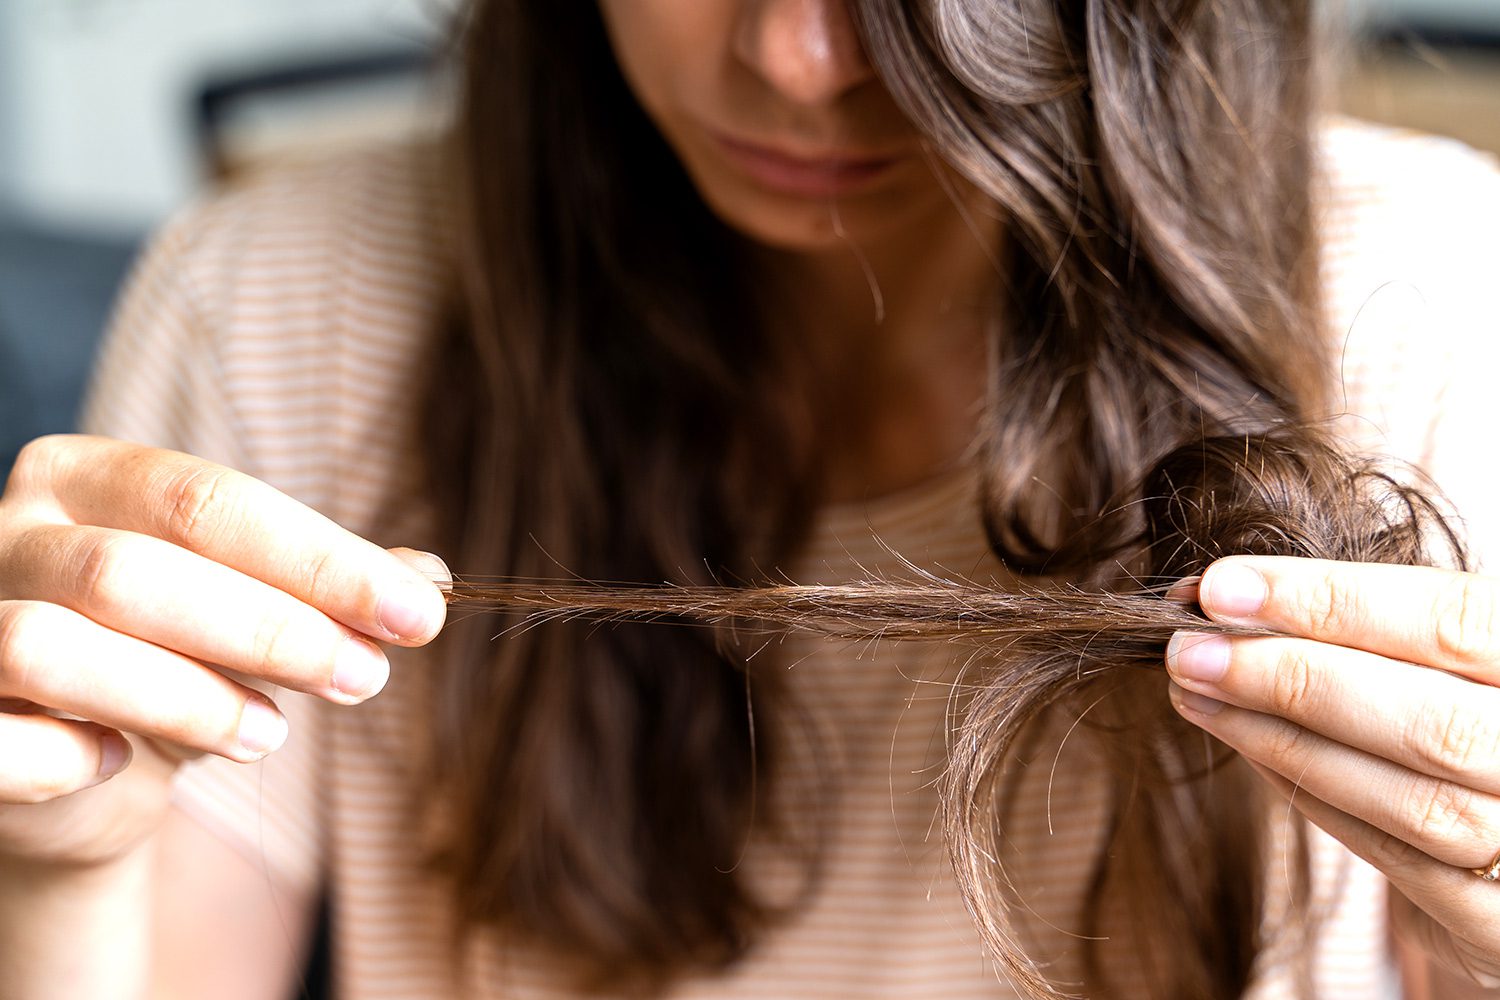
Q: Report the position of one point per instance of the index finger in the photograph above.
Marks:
(248, 525)
(1435, 617)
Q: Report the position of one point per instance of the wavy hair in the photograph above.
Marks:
(626, 415)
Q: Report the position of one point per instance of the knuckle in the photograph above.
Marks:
(1293, 684)
(1396, 857)
(19, 640)
(270, 643)
(97, 574)
(1465, 621)
(1454, 740)
(321, 575)
(326, 578)
(1443, 812)
(1282, 743)
(196, 500)
(36, 461)
(1332, 608)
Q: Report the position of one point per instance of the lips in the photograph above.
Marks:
(820, 174)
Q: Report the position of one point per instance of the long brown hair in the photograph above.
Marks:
(1291, 492)
(611, 403)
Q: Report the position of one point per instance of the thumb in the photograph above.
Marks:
(428, 565)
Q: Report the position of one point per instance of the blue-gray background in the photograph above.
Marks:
(103, 131)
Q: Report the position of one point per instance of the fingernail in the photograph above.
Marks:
(114, 754)
(1184, 591)
(411, 611)
(1192, 702)
(434, 568)
(1197, 657)
(1233, 589)
(360, 669)
(262, 728)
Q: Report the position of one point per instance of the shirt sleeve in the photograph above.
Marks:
(159, 380)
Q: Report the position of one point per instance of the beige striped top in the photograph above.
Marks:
(274, 328)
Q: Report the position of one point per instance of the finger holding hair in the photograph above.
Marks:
(1420, 614)
(165, 595)
(57, 658)
(236, 520)
(1375, 714)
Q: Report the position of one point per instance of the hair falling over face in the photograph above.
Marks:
(1288, 493)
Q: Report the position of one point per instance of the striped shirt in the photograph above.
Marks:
(275, 327)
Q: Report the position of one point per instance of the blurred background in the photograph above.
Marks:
(113, 112)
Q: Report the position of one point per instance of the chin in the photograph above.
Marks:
(797, 225)
(803, 229)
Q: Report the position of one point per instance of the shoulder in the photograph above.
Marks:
(1412, 205)
(1408, 209)
(1404, 201)
(303, 201)
(280, 322)
(1374, 165)
(1411, 227)
(356, 232)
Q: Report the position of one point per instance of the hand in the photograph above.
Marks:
(1377, 715)
(128, 575)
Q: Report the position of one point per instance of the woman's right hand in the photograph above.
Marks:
(128, 577)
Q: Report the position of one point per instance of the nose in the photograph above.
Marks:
(807, 50)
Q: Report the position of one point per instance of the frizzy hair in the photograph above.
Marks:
(609, 399)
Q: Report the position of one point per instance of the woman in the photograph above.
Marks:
(720, 290)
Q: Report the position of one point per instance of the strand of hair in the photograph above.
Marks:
(936, 611)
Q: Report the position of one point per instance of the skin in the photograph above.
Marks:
(1374, 716)
(902, 384)
(126, 571)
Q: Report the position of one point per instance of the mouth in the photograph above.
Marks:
(826, 173)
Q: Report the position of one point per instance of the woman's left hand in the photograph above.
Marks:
(1377, 714)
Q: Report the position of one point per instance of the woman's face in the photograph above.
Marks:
(777, 117)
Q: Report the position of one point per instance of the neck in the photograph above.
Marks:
(895, 332)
